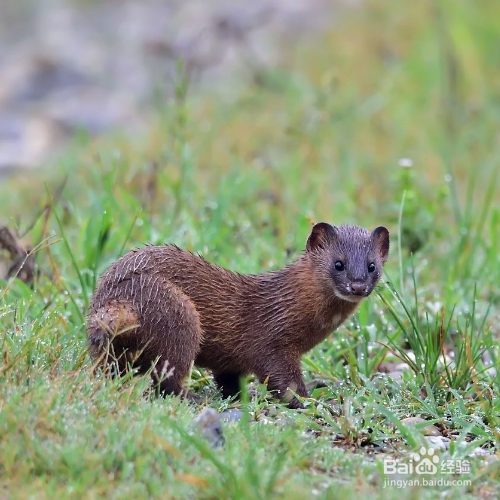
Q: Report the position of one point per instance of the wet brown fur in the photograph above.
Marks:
(168, 308)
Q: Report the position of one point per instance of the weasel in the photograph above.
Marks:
(161, 309)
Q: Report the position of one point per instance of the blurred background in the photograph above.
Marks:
(73, 67)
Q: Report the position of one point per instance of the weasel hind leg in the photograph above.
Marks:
(156, 328)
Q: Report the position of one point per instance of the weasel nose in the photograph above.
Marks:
(358, 288)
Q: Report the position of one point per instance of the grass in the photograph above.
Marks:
(389, 118)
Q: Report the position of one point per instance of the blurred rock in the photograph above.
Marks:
(393, 370)
(428, 430)
(42, 76)
(209, 422)
(231, 416)
(438, 442)
(481, 452)
(25, 140)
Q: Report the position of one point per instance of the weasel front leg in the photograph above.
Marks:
(228, 383)
(284, 378)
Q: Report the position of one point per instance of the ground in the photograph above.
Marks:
(390, 117)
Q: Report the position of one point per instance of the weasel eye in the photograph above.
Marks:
(339, 265)
(371, 267)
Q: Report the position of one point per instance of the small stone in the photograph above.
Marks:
(480, 452)
(231, 416)
(429, 430)
(209, 422)
(438, 442)
(397, 376)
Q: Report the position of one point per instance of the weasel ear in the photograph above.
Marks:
(380, 238)
(321, 234)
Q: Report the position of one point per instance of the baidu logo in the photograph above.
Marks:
(426, 461)
(421, 465)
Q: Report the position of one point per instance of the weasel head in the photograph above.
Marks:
(350, 259)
